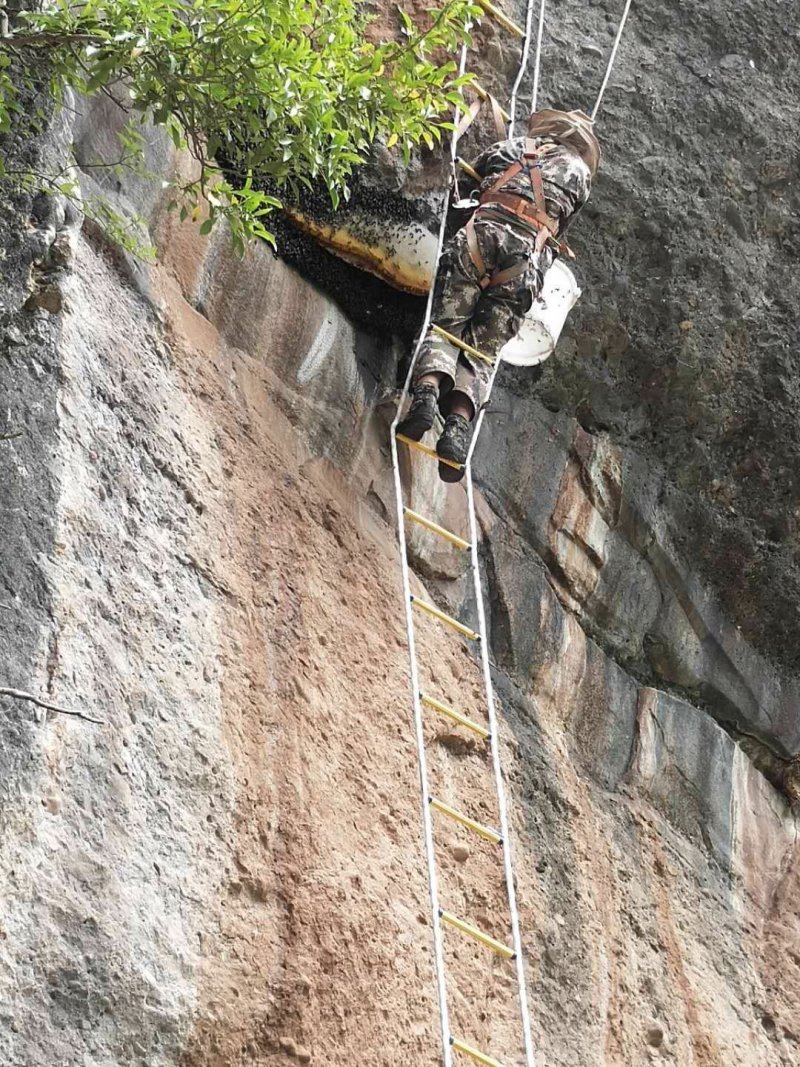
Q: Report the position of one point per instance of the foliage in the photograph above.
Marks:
(293, 90)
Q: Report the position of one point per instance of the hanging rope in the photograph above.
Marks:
(508, 857)
(427, 824)
(523, 65)
(508, 862)
(538, 60)
(617, 39)
(454, 139)
(433, 888)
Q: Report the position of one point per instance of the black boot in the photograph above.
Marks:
(453, 445)
(422, 412)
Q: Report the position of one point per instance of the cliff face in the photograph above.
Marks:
(198, 550)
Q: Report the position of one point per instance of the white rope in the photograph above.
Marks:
(508, 854)
(433, 887)
(538, 60)
(426, 321)
(523, 64)
(617, 39)
(441, 983)
(427, 822)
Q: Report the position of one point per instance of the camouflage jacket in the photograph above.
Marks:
(566, 178)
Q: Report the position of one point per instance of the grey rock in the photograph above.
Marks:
(734, 218)
(14, 335)
(638, 516)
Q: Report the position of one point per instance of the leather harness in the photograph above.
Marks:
(529, 214)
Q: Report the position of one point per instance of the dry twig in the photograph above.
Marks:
(19, 694)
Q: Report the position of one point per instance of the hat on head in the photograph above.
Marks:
(571, 128)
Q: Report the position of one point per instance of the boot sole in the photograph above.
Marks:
(414, 428)
(446, 472)
(450, 474)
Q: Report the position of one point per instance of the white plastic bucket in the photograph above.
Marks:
(543, 324)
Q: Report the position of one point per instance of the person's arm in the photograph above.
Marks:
(579, 195)
(565, 225)
(496, 158)
(479, 165)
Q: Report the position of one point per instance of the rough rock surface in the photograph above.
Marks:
(197, 549)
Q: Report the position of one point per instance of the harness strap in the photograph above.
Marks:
(473, 111)
(537, 185)
(504, 179)
(497, 115)
(498, 277)
(469, 117)
(475, 254)
(532, 152)
(544, 235)
(523, 209)
(534, 215)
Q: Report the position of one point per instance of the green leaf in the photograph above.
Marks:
(285, 95)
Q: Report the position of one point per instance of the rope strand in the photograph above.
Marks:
(523, 65)
(617, 39)
(433, 887)
(427, 824)
(538, 61)
(508, 862)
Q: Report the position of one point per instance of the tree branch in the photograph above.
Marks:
(19, 694)
(44, 39)
(104, 89)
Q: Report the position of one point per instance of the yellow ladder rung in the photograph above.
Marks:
(434, 527)
(503, 19)
(451, 337)
(469, 170)
(479, 1057)
(477, 935)
(428, 451)
(448, 620)
(479, 89)
(472, 824)
(456, 716)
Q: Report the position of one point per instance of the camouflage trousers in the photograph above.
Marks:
(484, 318)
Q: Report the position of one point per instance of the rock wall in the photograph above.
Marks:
(198, 550)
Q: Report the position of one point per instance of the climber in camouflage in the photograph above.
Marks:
(493, 269)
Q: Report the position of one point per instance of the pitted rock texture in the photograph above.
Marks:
(683, 346)
(228, 870)
(198, 549)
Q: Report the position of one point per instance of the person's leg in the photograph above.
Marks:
(460, 404)
(457, 293)
(425, 392)
(463, 403)
(501, 309)
(495, 320)
(501, 246)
